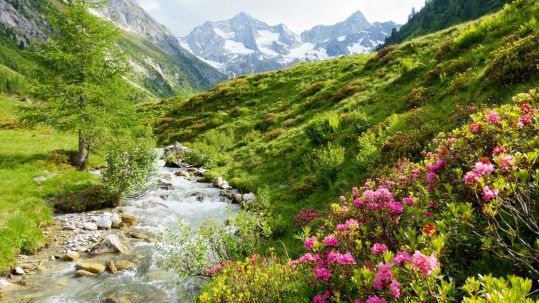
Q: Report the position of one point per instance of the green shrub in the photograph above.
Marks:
(417, 97)
(314, 88)
(12, 82)
(349, 89)
(357, 120)
(488, 289)
(327, 163)
(208, 150)
(92, 198)
(322, 129)
(382, 56)
(368, 150)
(515, 62)
(129, 166)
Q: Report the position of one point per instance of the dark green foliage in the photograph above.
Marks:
(417, 97)
(321, 130)
(515, 62)
(92, 198)
(440, 14)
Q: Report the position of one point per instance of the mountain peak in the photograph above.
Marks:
(242, 16)
(357, 17)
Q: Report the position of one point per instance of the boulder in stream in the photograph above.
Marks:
(112, 244)
(84, 273)
(92, 267)
(130, 220)
(122, 265)
(221, 183)
(71, 256)
(112, 267)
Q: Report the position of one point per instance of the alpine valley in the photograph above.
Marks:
(244, 45)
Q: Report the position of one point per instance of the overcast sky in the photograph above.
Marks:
(181, 16)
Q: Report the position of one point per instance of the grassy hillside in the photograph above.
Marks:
(25, 154)
(440, 14)
(312, 131)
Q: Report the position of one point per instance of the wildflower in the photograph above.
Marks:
(395, 207)
(429, 230)
(384, 274)
(341, 227)
(330, 241)
(489, 194)
(471, 177)
(375, 299)
(309, 242)
(352, 224)
(433, 204)
(358, 202)
(484, 168)
(424, 263)
(395, 288)
(321, 298)
(408, 200)
(499, 150)
(347, 259)
(342, 198)
(322, 273)
(474, 128)
(524, 120)
(428, 214)
(378, 248)
(493, 117)
(401, 258)
(506, 161)
(525, 108)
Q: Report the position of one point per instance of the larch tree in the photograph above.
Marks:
(80, 85)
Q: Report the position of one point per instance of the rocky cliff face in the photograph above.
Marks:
(244, 44)
(23, 21)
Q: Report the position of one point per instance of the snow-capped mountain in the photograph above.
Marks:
(244, 44)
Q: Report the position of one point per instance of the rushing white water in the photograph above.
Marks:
(157, 212)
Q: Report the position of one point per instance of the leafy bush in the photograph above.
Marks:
(417, 97)
(314, 88)
(357, 120)
(497, 290)
(208, 150)
(94, 197)
(322, 129)
(382, 56)
(515, 62)
(129, 166)
(349, 89)
(11, 82)
(326, 163)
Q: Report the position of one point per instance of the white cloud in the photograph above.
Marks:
(181, 16)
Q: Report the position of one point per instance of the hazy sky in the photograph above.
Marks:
(181, 16)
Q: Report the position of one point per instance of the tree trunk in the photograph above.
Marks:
(80, 159)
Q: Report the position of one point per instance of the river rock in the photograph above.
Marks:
(122, 265)
(130, 220)
(103, 223)
(199, 196)
(111, 267)
(138, 235)
(84, 273)
(89, 226)
(165, 185)
(112, 244)
(71, 256)
(183, 173)
(166, 176)
(6, 286)
(19, 271)
(116, 220)
(248, 198)
(221, 183)
(92, 267)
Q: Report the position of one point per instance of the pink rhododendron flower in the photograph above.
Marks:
(342, 198)
(384, 274)
(352, 224)
(322, 273)
(524, 120)
(401, 258)
(358, 202)
(499, 150)
(493, 117)
(395, 288)
(474, 128)
(375, 299)
(331, 241)
(471, 177)
(309, 242)
(489, 194)
(483, 168)
(378, 248)
(321, 298)
(396, 207)
(408, 200)
(506, 161)
(341, 227)
(424, 263)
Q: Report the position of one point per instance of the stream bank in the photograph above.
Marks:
(110, 255)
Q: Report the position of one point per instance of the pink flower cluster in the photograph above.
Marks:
(306, 216)
(426, 264)
(322, 273)
(342, 259)
(481, 169)
(351, 225)
(493, 117)
(309, 242)
(321, 298)
(489, 194)
(378, 249)
(505, 162)
(331, 241)
(217, 267)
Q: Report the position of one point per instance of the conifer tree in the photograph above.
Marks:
(80, 85)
